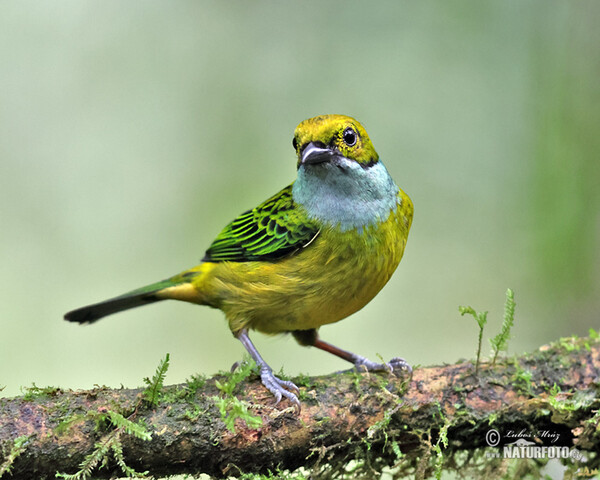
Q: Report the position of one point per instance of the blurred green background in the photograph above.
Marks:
(131, 133)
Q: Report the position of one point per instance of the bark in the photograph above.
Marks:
(551, 394)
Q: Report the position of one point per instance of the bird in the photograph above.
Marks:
(312, 254)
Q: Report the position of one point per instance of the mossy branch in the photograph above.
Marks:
(363, 423)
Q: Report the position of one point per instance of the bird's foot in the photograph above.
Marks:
(280, 388)
(396, 366)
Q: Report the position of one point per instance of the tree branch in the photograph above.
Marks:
(377, 420)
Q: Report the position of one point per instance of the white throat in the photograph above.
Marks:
(345, 194)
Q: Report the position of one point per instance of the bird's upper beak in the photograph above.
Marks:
(314, 153)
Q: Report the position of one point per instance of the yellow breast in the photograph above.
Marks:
(333, 277)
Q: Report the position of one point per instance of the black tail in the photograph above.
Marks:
(136, 298)
(91, 313)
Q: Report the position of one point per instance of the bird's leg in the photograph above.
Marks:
(311, 338)
(276, 386)
(362, 363)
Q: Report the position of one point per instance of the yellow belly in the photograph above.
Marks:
(333, 277)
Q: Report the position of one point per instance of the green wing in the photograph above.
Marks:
(272, 230)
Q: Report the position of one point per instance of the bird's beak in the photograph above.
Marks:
(313, 153)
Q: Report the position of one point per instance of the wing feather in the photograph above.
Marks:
(274, 229)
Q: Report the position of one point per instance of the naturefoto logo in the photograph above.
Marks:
(518, 444)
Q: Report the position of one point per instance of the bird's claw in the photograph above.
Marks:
(399, 365)
(280, 388)
(395, 365)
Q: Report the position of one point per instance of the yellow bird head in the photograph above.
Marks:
(318, 139)
(341, 181)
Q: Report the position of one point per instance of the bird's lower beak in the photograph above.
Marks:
(313, 153)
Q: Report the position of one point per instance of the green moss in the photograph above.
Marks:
(521, 380)
(594, 421)
(194, 413)
(303, 380)
(356, 378)
(65, 425)
(499, 342)
(439, 447)
(565, 404)
(155, 385)
(382, 425)
(18, 446)
(481, 319)
(195, 383)
(34, 392)
(280, 374)
(570, 344)
(230, 407)
(185, 393)
(113, 425)
(110, 443)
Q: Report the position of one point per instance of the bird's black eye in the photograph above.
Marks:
(295, 143)
(349, 137)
